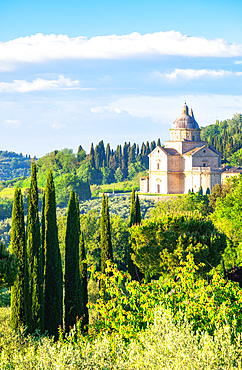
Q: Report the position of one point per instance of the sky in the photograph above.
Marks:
(75, 72)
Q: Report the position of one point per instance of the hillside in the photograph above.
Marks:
(13, 165)
(226, 137)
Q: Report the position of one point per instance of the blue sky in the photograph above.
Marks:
(78, 72)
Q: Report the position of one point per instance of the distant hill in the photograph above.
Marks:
(13, 165)
(226, 137)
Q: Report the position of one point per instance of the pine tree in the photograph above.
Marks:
(34, 298)
(105, 242)
(53, 280)
(18, 290)
(135, 218)
(72, 277)
(158, 142)
(83, 280)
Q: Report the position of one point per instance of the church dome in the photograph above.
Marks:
(185, 121)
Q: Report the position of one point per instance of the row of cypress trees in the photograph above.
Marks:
(121, 157)
(37, 295)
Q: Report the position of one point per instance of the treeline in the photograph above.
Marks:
(103, 165)
(107, 165)
(225, 137)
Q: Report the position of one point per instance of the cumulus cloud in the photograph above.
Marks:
(41, 48)
(194, 73)
(106, 109)
(38, 84)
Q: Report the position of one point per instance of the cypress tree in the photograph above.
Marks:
(137, 210)
(34, 298)
(97, 157)
(53, 280)
(131, 155)
(83, 281)
(18, 290)
(105, 242)
(158, 142)
(72, 277)
(108, 152)
(91, 157)
(132, 220)
(137, 150)
(135, 218)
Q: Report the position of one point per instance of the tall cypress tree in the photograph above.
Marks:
(132, 219)
(34, 299)
(135, 218)
(53, 280)
(105, 242)
(91, 157)
(137, 210)
(83, 280)
(18, 292)
(108, 152)
(72, 277)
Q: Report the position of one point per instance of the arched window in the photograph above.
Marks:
(158, 166)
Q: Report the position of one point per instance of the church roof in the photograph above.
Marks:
(194, 150)
(171, 151)
(186, 120)
(204, 147)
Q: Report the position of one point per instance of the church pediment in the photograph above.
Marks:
(158, 151)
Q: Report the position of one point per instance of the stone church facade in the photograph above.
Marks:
(185, 162)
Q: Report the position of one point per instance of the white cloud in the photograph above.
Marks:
(106, 109)
(38, 84)
(41, 48)
(14, 123)
(194, 73)
(238, 62)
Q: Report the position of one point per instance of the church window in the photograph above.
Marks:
(193, 138)
(158, 188)
(158, 166)
(158, 151)
(204, 164)
(204, 151)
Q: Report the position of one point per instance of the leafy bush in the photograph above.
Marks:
(160, 244)
(128, 307)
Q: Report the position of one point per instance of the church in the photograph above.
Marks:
(185, 162)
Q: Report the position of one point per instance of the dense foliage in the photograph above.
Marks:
(207, 305)
(160, 244)
(227, 218)
(226, 137)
